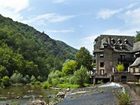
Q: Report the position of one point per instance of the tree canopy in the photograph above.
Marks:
(84, 58)
(137, 36)
(28, 53)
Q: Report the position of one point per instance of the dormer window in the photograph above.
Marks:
(125, 41)
(119, 41)
(112, 41)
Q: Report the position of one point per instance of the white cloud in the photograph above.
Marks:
(107, 13)
(12, 8)
(50, 17)
(132, 16)
(88, 42)
(130, 31)
(58, 1)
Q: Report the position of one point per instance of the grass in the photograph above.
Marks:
(123, 98)
(67, 85)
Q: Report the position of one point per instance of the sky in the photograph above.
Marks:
(76, 22)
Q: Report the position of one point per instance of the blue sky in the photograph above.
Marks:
(76, 22)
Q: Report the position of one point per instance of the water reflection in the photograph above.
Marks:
(21, 95)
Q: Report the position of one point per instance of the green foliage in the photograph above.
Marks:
(137, 38)
(81, 76)
(54, 75)
(29, 52)
(3, 71)
(123, 98)
(46, 85)
(84, 58)
(69, 67)
(67, 85)
(16, 78)
(5, 81)
(120, 67)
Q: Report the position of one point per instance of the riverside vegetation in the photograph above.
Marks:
(29, 56)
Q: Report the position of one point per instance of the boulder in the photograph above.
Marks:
(38, 102)
(60, 94)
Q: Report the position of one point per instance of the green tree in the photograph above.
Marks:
(81, 76)
(84, 58)
(16, 77)
(54, 75)
(5, 81)
(69, 67)
(137, 38)
(3, 71)
(120, 67)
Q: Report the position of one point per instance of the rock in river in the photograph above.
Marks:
(38, 102)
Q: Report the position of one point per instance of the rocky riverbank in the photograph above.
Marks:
(135, 98)
(96, 95)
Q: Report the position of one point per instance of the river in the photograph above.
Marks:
(21, 95)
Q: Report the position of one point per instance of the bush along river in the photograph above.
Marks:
(24, 95)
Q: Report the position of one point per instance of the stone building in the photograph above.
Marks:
(135, 66)
(110, 50)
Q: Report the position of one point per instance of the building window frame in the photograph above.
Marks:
(102, 64)
(101, 55)
(102, 71)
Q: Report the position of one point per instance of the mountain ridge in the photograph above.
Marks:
(34, 47)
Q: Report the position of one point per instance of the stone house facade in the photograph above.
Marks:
(135, 66)
(109, 51)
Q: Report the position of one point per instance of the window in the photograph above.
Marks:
(102, 72)
(133, 70)
(101, 64)
(122, 57)
(101, 55)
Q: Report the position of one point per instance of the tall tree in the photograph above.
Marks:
(81, 76)
(84, 58)
(69, 67)
(138, 36)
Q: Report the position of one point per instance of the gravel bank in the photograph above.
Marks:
(91, 96)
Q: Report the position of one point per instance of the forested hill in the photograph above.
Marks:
(28, 52)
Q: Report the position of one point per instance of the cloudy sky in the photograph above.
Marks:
(76, 22)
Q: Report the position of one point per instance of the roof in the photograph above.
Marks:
(136, 47)
(116, 42)
(136, 62)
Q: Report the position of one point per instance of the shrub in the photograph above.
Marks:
(16, 78)
(120, 67)
(72, 80)
(69, 67)
(81, 76)
(46, 85)
(6, 81)
(55, 81)
(67, 85)
(123, 98)
(54, 74)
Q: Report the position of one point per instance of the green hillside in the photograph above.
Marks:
(28, 53)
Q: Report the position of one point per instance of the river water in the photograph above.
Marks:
(21, 95)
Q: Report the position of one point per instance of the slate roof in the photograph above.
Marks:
(136, 62)
(117, 43)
